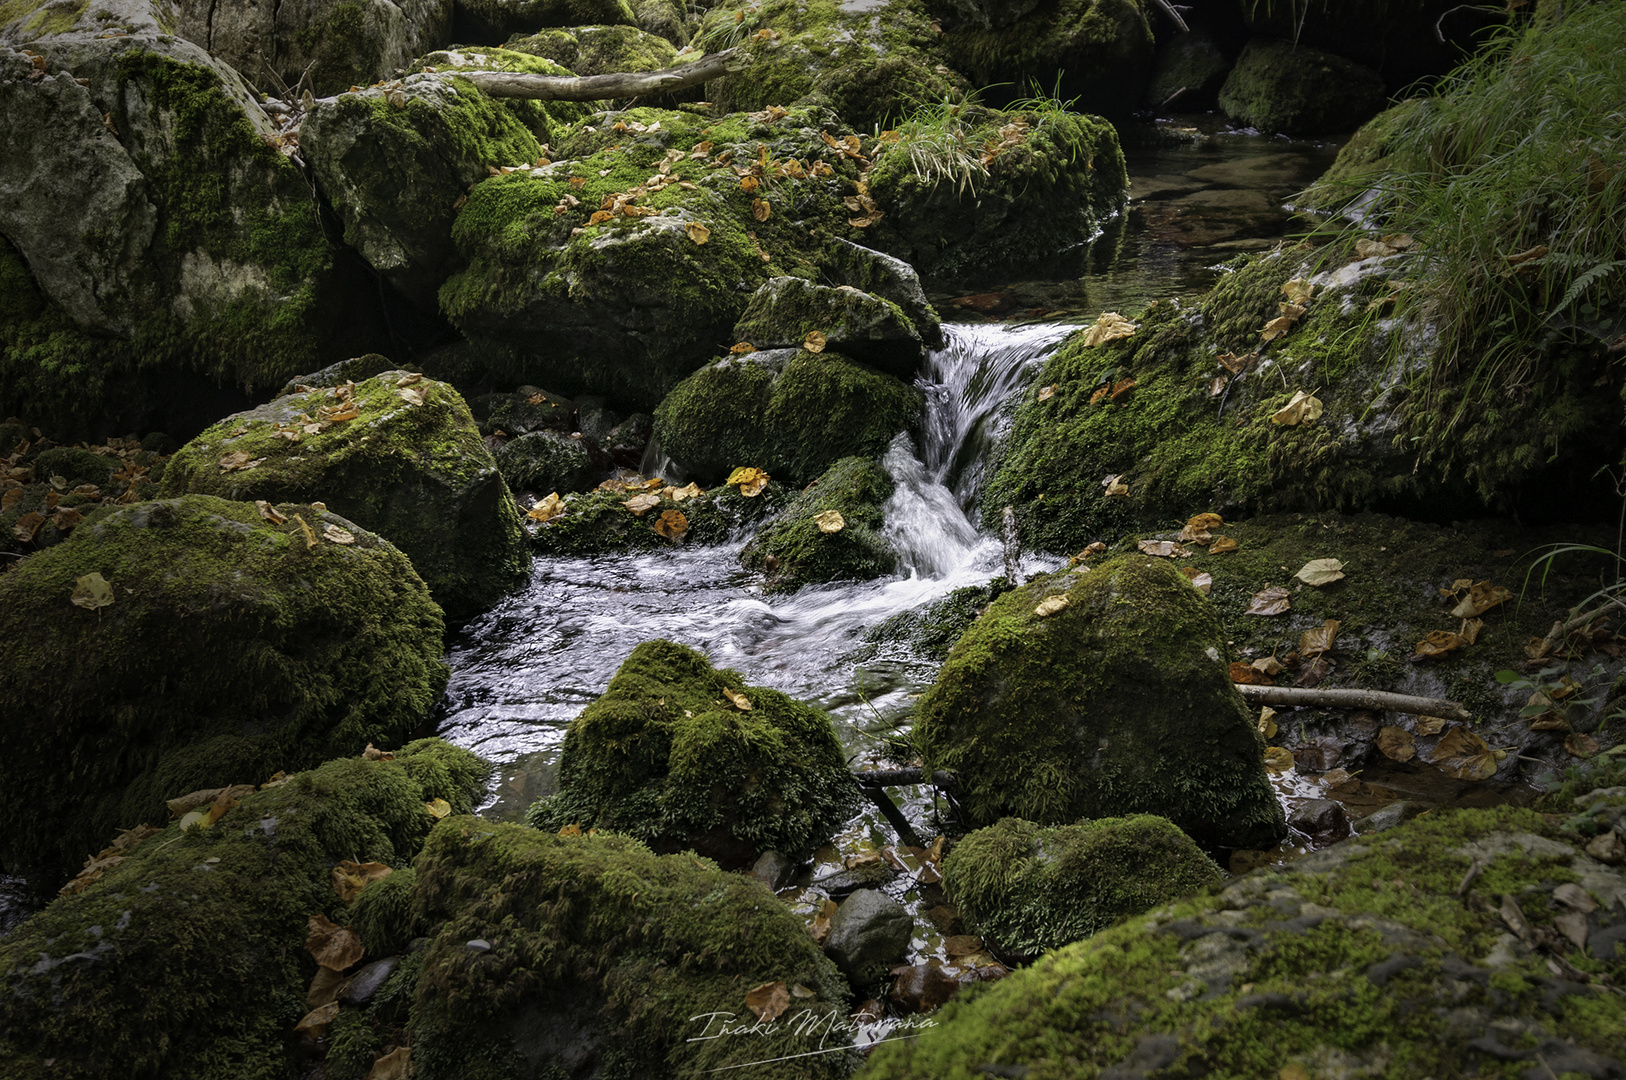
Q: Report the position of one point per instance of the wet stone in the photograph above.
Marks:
(360, 987)
(868, 933)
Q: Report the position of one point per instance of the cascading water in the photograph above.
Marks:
(524, 670)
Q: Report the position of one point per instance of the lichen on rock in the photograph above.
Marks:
(1116, 703)
(668, 754)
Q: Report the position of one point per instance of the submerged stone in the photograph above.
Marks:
(228, 647)
(409, 463)
(1029, 889)
(669, 754)
(1116, 703)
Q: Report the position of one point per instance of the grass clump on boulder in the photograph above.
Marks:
(1101, 693)
(682, 755)
(1032, 889)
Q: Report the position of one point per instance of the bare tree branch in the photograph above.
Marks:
(513, 84)
(1380, 700)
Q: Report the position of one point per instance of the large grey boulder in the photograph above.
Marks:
(868, 934)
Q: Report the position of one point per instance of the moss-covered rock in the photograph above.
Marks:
(230, 648)
(597, 949)
(1277, 86)
(599, 521)
(187, 957)
(872, 63)
(1188, 73)
(546, 461)
(1096, 51)
(1117, 703)
(888, 277)
(1326, 964)
(786, 310)
(803, 545)
(1363, 159)
(496, 20)
(416, 472)
(394, 172)
(599, 50)
(1031, 889)
(668, 756)
(967, 190)
(788, 411)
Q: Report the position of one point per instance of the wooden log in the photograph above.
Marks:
(1380, 700)
(515, 84)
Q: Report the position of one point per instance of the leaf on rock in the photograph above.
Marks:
(1269, 665)
(315, 1022)
(1267, 722)
(438, 808)
(1051, 604)
(1248, 675)
(768, 1001)
(751, 482)
(1273, 600)
(1464, 755)
(1366, 248)
(335, 947)
(830, 521)
(349, 878)
(1278, 759)
(395, 1065)
(642, 504)
(1317, 640)
(672, 524)
(697, 232)
(814, 342)
(1108, 327)
(1302, 409)
(333, 534)
(1396, 743)
(819, 928)
(1319, 572)
(1163, 549)
(1479, 598)
(91, 592)
(1581, 746)
(547, 509)
(1430, 725)
(740, 701)
(1439, 643)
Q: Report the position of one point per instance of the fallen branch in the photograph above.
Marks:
(513, 84)
(1169, 10)
(1381, 700)
(1562, 630)
(912, 775)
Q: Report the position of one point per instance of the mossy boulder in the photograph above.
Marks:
(1096, 51)
(975, 190)
(340, 43)
(872, 63)
(230, 649)
(187, 957)
(599, 50)
(414, 470)
(497, 20)
(668, 756)
(1188, 73)
(599, 950)
(599, 521)
(1117, 703)
(1327, 965)
(1030, 889)
(195, 249)
(888, 277)
(545, 461)
(786, 310)
(804, 545)
(394, 172)
(1277, 86)
(789, 411)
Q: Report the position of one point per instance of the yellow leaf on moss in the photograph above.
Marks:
(830, 521)
(813, 342)
(750, 481)
(1109, 326)
(1298, 290)
(547, 509)
(672, 524)
(1050, 605)
(1221, 544)
(698, 232)
(740, 701)
(1319, 572)
(768, 1001)
(760, 209)
(349, 878)
(335, 947)
(91, 592)
(642, 504)
(1302, 409)
(438, 808)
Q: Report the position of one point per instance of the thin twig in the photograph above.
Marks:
(1381, 700)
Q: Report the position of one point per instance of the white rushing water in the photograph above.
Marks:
(521, 672)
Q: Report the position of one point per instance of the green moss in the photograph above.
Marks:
(664, 755)
(932, 629)
(1287, 87)
(382, 914)
(544, 119)
(231, 650)
(1032, 889)
(418, 474)
(1242, 984)
(623, 950)
(790, 412)
(1117, 703)
(794, 551)
(599, 50)
(188, 957)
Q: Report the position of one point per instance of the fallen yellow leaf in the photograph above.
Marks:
(830, 521)
(1107, 327)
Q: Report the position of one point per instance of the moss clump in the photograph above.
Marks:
(931, 630)
(599, 50)
(1360, 959)
(1032, 889)
(1117, 703)
(1280, 86)
(794, 550)
(418, 474)
(188, 957)
(231, 649)
(788, 411)
(599, 948)
(666, 756)
(868, 70)
(967, 190)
